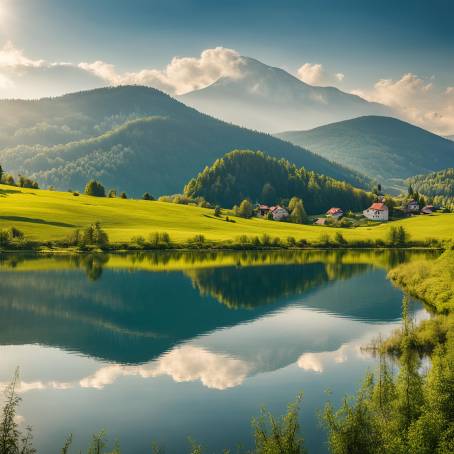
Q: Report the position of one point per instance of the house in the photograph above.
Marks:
(320, 221)
(279, 213)
(378, 211)
(411, 206)
(262, 210)
(428, 209)
(335, 213)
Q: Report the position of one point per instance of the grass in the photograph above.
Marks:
(47, 215)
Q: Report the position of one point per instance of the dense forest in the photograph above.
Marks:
(438, 186)
(261, 178)
(133, 138)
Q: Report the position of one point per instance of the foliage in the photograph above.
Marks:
(147, 196)
(12, 440)
(95, 189)
(279, 435)
(93, 235)
(437, 186)
(398, 236)
(243, 174)
(411, 413)
(245, 210)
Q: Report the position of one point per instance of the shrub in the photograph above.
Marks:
(147, 196)
(217, 211)
(95, 189)
(123, 195)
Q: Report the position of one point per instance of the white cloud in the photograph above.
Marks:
(181, 75)
(315, 74)
(182, 364)
(416, 100)
(10, 56)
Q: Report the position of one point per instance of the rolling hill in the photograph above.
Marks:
(383, 148)
(132, 138)
(253, 175)
(49, 216)
(270, 99)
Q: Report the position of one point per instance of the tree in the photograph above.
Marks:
(1, 173)
(245, 210)
(95, 189)
(147, 196)
(410, 191)
(123, 195)
(112, 194)
(298, 214)
(217, 210)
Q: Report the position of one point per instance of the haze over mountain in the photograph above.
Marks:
(270, 99)
(132, 138)
(383, 148)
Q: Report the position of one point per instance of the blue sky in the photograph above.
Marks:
(364, 40)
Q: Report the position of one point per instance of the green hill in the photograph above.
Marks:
(132, 138)
(49, 215)
(438, 186)
(244, 174)
(383, 148)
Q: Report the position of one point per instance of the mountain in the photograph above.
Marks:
(270, 99)
(383, 148)
(438, 186)
(244, 174)
(132, 138)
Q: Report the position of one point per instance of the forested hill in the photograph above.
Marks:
(439, 186)
(383, 148)
(132, 138)
(244, 174)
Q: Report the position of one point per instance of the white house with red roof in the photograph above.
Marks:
(335, 213)
(378, 211)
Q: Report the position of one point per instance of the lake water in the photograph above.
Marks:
(160, 347)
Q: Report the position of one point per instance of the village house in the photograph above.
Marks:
(334, 213)
(428, 209)
(377, 212)
(279, 213)
(320, 221)
(262, 210)
(412, 206)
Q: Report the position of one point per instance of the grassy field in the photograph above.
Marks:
(46, 215)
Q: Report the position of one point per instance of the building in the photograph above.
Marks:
(428, 209)
(335, 213)
(279, 213)
(377, 212)
(320, 221)
(411, 206)
(262, 210)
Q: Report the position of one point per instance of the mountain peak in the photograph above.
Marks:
(271, 99)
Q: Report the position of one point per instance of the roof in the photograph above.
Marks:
(412, 202)
(334, 211)
(277, 207)
(264, 207)
(320, 221)
(378, 206)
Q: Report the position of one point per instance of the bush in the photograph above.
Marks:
(147, 196)
(95, 189)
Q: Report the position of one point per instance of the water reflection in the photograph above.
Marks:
(148, 335)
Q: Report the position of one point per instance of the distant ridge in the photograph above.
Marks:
(131, 138)
(383, 148)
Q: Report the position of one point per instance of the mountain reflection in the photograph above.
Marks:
(134, 308)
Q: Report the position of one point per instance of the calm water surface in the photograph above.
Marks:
(165, 346)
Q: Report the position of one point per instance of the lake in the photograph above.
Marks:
(165, 346)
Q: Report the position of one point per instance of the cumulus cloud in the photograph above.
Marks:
(181, 75)
(22, 76)
(315, 74)
(416, 100)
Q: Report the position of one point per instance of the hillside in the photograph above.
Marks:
(133, 138)
(438, 186)
(270, 99)
(383, 148)
(244, 174)
(47, 216)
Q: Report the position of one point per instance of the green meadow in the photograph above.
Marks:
(48, 215)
